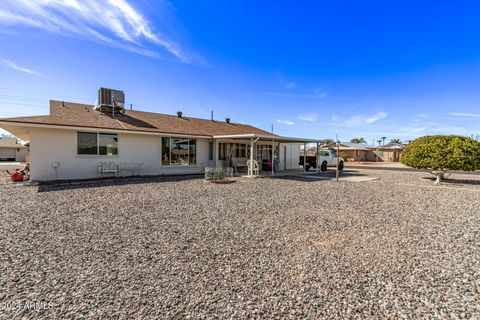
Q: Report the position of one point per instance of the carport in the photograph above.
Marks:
(255, 139)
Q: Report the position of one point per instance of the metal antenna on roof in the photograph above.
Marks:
(211, 115)
(272, 128)
(131, 107)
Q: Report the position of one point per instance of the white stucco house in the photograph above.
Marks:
(74, 139)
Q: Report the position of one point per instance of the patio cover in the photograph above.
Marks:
(254, 138)
(267, 138)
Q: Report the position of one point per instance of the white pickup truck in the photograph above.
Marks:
(325, 159)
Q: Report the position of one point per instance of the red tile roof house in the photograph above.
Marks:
(78, 141)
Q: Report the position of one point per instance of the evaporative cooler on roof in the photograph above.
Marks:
(110, 100)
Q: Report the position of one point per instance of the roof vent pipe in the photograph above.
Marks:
(227, 120)
(179, 114)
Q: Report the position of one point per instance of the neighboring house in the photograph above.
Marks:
(364, 153)
(390, 152)
(12, 150)
(74, 139)
(353, 151)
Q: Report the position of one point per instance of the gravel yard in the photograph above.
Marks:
(264, 248)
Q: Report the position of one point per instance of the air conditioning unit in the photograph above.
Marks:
(110, 100)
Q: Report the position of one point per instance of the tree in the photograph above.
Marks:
(396, 140)
(383, 139)
(441, 153)
(358, 140)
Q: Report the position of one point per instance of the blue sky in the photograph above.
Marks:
(399, 69)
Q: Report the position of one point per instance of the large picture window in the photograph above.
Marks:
(87, 143)
(107, 144)
(97, 144)
(179, 151)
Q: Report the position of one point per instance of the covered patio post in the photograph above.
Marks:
(317, 156)
(304, 157)
(273, 155)
(250, 168)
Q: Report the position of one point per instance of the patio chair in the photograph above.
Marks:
(130, 168)
(253, 167)
(107, 168)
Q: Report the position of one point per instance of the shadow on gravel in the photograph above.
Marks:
(299, 178)
(324, 176)
(453, 181)
(109, 182)
(405, 169)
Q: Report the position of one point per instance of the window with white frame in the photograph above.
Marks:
(231, 150)
(241, 150)
(264, 152)
(97, 144)
(179, 151)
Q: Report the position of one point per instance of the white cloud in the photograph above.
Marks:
(114, 22)
(359, 120)
(412, 130)
(290, 85)
(376, 117)
(335, 118)
(319, 92)
(287, 122)
(308, 117)
(14, 66)
(465, 114)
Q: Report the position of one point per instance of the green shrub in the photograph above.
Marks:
(441, 153)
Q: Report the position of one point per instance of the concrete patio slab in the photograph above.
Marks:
(344, 178)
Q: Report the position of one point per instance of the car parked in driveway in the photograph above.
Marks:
(324, 159)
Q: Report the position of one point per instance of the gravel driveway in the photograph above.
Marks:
(265, 248)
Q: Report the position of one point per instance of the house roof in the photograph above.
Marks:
(350, 146)
(363, 146)
(354, 145)
(394, 146)
(83, 115)
(265, 137)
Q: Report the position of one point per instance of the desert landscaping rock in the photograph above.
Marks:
(264, 248)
